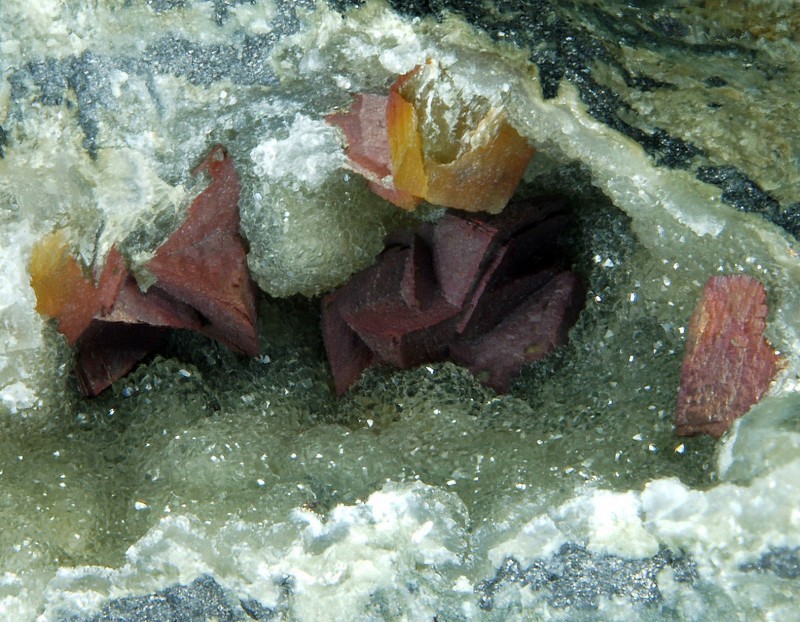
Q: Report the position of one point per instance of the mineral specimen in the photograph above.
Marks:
(62, 291)
(364, 127)
(428, 141)
(728, 364)
(204, 263)
(201, 283)
(482, 291)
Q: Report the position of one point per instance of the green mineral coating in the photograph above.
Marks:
(199, 444)
(274, 434)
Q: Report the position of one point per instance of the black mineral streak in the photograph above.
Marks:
(739, 190)
(50, 76)
(83, 81)
(577, 577)
(746, 195)
(88, 78)
(203, 64)
(85, 77)
(160, 6)
(563, 47)
(203, 599)
(782, 562)
(789, 219)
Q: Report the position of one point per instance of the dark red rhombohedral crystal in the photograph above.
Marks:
(204, 263)
(729, 364)
(482, 291)
(202, 284)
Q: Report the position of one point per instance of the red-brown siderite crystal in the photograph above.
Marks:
(482, 291)
(202, 284)
(204, 263)
(729, 364)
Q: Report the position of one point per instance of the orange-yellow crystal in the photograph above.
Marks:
(64, 293)
(482, 177)
(405, 143)
(62, 290)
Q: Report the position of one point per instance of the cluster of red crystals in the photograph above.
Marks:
(481, 291)
(202, 284)
(728, 365)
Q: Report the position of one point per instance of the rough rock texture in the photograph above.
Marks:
(573, 578)
(576, 577)
(650, 72)
(202, 600)
(729, 364)
(105, 108)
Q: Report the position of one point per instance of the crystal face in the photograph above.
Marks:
(419, 493)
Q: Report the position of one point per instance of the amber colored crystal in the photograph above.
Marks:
(484, 178)
(64, 292)
(476, 168)
(405, 143)
(489, 162)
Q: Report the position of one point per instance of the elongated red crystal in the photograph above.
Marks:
(729, 364)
